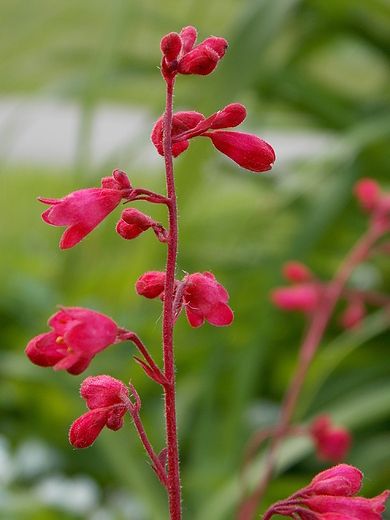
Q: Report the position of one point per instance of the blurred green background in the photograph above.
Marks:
(315, 78)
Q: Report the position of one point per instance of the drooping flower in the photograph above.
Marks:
(205, 298)
(106, 399)
(354, 314)
(83, 210)
(247, 150)
(78, 335)
(368, 193)
(332, 442)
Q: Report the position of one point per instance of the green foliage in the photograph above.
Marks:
(312, 65)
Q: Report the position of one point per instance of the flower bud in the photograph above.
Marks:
(151, 284)
(231, 116)
(188, 39)
(170, 46)
(247, 150)
(133, 223)
(203, 59)
(332, 442)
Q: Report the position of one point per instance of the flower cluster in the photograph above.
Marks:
(181, 56)
(330, 496)
(247, 150)
(199, 294)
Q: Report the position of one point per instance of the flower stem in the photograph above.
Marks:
(173, 486)
(309, 347)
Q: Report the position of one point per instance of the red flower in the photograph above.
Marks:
(247, 150)
(205, 298)
(332, 442)
(78, 335)
(106, 399)
(83, 210)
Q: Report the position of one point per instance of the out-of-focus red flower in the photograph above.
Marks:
(368, 193)
(300, 297)
(83, 210)
(78, 335)
(296, 272)
(247, 150)
(205, 298)
(353, 314)
(332, 442)
(151, 284)
(106, 399)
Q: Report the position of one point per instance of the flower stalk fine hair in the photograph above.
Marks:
(78, 334)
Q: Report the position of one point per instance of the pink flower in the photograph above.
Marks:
(83, 210)
(106, 399)
(247, 150)
(205, 298)
(300, 297)
(332, 442)
(78, 335)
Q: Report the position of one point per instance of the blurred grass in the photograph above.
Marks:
(319, 65)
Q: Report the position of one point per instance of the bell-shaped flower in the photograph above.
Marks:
(332, 442)
(77, 336)
(205, 298)
(83, 210)
(341, 480)
(107, 400)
